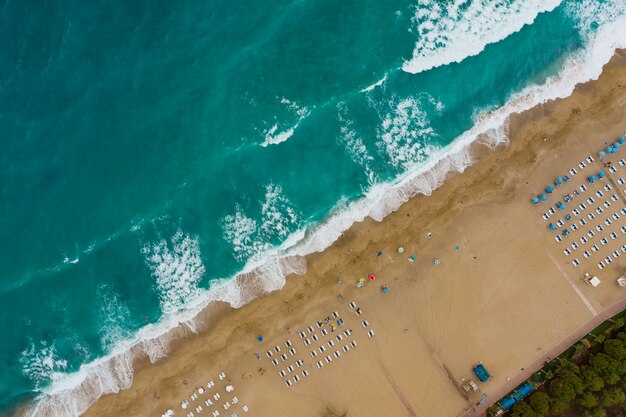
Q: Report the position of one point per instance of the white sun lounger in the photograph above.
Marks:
(324, 332)
(288, 343)
(292, 351)
(288, 383)
(296, 378)
(282, 373)
(275, 362)
(575, 262)
(353, 343)
(335, 314)
(290, 368)
(365, 323)
(330, 343)
(302, 335)
(346, 348)
(283, 357)
(336, 354)
(328, 359)
(208, 403)
(320, 364)
(352, 305)
(338, 337)
(305, 373)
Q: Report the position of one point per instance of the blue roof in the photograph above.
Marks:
(507, 402)
(524, 390)
(481, 372)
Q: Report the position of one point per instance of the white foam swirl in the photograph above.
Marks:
(451, 32)
(177, 267)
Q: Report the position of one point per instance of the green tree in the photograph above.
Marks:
(619, 323)
(558, 407)
(615, 348)
(613, 396)
(522, 409)
(567, 366)
(606, 367)
(591, 380)
(599, 412)
(562, 389)
(588, 400)
(540, 403)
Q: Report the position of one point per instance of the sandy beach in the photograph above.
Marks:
(502, 292)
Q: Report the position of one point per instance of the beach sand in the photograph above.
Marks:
(507, 295)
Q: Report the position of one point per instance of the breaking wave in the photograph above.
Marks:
(463, 28)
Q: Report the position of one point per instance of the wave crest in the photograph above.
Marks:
(460, 29)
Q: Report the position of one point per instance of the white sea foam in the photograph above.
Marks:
(279, 218)
(114, 315)
(278, 134)
(352, 142)
(71, 394)
(40, 362)
(376, 84)
(177, 267)
(463, 28)
(404, 132)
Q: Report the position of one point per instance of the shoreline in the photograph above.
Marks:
(349, 240)
(349, 235)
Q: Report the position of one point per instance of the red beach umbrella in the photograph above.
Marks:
(372, 277)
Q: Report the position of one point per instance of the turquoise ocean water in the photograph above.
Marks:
(150, 151)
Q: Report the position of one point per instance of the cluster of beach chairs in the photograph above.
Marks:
(292, 371)
(209, 401)
(326, 340)
(596, 221)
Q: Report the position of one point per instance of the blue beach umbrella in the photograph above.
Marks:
(609, 149)
(543, 197)
(622, 139)
(601, 174)
(563, 206)
(592, 178)
(549, 189)
(535, 200)
(260, 338)
(601, 154)
(559, 180)
(552, 226)
(616, 145)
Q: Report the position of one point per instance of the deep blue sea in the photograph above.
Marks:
(151, 150)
